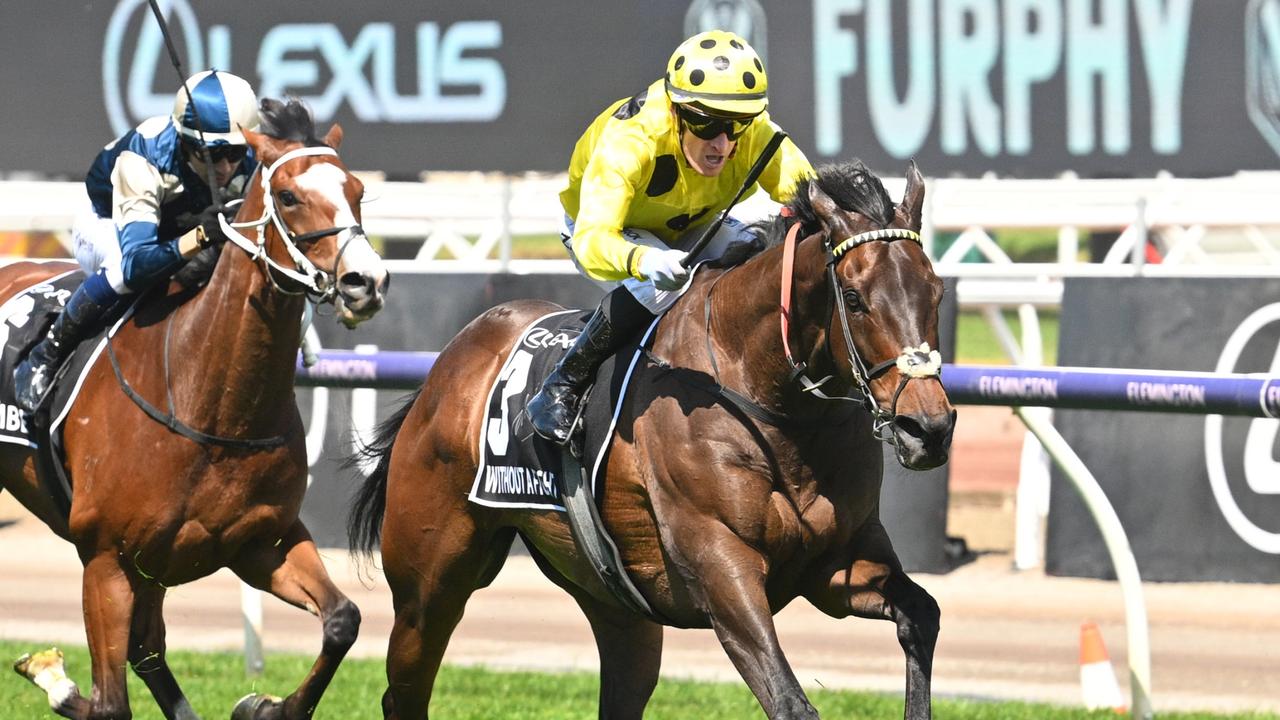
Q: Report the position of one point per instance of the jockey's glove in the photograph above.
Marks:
(206, 231)
(663, 268)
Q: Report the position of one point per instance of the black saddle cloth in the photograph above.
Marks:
(519, 468)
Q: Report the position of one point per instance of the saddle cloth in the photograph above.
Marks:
(24, 319)
(518, 468)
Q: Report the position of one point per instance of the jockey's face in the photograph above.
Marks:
(708, 142)
(707, 157)
(226, 160)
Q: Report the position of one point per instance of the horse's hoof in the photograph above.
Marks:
(257, 707)
(46, 670)
(29, 666)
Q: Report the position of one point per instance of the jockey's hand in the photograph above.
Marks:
(208, 222)
(664, 269)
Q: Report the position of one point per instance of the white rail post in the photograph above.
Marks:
(1117, 543)
(251, 609)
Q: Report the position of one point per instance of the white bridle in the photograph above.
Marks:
(304, 271)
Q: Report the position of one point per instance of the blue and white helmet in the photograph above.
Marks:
(225, 103)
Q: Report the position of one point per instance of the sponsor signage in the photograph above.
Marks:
(1017, 87)
(1198, 495)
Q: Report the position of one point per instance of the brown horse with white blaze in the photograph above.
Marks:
(153, 507)
(731, 487)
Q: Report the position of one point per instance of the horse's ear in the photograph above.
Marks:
(257, 141)
(912, 205)
(822, 203)
(333, 138)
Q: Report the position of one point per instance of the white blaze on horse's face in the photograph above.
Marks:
(360, 275)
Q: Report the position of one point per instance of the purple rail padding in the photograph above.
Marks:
(1250, 395)
(384, 370)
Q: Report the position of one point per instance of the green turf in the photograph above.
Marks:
(214, 681)
(976, 340)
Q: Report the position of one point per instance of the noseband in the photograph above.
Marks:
(315, 282)
(912, 363)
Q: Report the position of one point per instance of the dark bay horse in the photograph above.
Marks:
(721, 516)
(152, 508)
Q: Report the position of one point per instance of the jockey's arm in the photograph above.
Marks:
(608, 187)
(135, 199)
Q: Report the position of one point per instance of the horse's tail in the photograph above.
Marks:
(364, 522)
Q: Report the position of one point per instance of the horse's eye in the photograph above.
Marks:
(853, 300)
(287, 198)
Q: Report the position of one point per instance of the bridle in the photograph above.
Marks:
(316, 283)
(912, 362)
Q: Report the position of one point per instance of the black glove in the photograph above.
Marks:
(207, 220)
(211, 231)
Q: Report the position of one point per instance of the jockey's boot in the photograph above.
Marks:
(554, 410)
(32, 377)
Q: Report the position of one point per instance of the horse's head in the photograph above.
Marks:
(885, 312)
(311, 210)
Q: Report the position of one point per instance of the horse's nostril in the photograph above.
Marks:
(910, 426)
(354, 281)
(926, 427)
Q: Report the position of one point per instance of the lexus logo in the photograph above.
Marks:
(1260, 466)
(131, 75)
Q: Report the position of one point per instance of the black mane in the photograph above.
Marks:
(288, 120)
(851, 185)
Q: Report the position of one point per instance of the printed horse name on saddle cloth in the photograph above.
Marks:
(24, 319)
(518, 469)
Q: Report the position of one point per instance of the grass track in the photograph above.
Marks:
(214, 681)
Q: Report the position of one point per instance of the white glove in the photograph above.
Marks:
(664, 269)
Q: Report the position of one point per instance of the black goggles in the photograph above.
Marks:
(220, 153)
(709, 128)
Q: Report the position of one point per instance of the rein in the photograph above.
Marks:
(170, 419)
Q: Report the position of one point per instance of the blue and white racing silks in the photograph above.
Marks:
(142, 182)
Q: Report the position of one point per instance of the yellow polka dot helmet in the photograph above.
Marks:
(718, 72)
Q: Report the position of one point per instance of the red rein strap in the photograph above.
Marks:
(788, 269)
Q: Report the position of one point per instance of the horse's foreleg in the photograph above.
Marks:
(731, 576)
(291, 570)
(875, 586)
(147, 654)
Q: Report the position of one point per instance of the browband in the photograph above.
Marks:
(886, 234)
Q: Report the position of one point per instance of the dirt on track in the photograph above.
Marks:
(1005, 634)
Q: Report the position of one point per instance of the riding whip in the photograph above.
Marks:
(214, 192)
(754, 174)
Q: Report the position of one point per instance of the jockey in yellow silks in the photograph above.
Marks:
(645, 179)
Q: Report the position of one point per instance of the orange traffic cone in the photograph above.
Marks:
(1097, 677)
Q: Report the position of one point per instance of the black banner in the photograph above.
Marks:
(1019, 87)
(425, 311)
(1199, 496)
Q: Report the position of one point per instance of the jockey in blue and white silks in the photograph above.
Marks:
(152, 209)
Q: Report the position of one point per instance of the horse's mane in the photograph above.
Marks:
(851, 185)
(288, 120)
